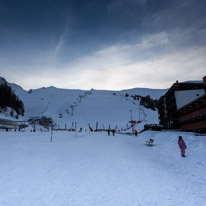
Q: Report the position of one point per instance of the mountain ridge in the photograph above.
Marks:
(107, 107)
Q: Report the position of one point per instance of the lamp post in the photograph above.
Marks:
(52, 132)
(139, 112)
(75, 129)
(131, 114)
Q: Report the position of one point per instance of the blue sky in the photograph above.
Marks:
(105, 44)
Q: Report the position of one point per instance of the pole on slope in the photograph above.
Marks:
(34, 130)
(75, 129)
(89, 127)
(139, 112)
(131, 114)
(51, 132)
(87, 122)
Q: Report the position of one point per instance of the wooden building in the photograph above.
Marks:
(192, 116)
(178, 95)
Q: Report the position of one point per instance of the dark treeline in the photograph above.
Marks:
(9, 99)
(147, 101)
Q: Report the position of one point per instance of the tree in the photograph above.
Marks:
(9, 99)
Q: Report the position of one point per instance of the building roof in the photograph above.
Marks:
(188, 85)
(193, 82)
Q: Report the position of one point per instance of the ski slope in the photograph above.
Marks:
(100, 108)
(96, 169)
(88, 107)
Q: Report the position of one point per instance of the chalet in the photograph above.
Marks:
(192, 116)
(177, 97)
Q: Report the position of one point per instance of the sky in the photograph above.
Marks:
(105, 44)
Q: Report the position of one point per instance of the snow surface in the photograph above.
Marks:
(96, 169)
(105, 107)
(108, 108)
(153, 93)
(6, 114)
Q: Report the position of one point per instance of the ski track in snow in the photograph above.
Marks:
(105, 107)
(96, 169)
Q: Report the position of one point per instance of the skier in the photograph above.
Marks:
(113, 132)
(182, 146)
(108, 132)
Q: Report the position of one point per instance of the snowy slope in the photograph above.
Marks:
(100, 170)
(95, 106)
(153, 93)
(89, 107)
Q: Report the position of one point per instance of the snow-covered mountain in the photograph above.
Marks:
(3, 81)
(67, 106)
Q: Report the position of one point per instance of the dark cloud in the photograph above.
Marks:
(61, 32)
(95, 22)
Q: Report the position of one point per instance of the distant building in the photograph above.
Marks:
(8, 124)
(178, 95)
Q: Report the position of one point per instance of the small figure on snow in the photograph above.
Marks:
(182, 146)
(108, 132)
(113, 132)
(135, 132)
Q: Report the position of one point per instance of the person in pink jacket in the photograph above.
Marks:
(182, 146)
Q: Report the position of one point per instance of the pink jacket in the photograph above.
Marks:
(182, 144)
